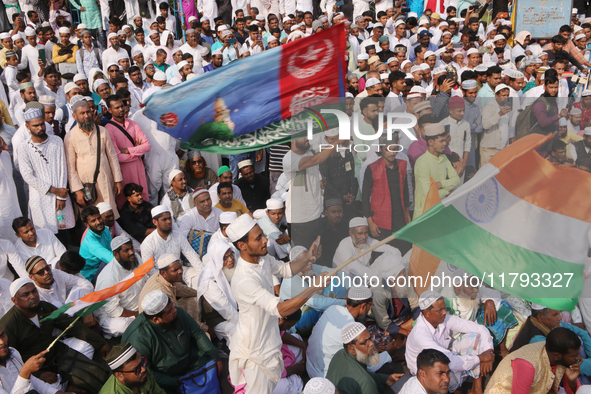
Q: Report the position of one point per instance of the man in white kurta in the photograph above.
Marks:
(432, 331)
(359, 240)
(43, 244)
(203, 217)
(9, 209)
(9, 254)
(12, 381)
(64, 289)
(43, 167)
(120, 310)
(255, 352)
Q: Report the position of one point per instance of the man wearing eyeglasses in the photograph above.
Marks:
(129, 372)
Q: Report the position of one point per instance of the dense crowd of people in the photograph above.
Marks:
(240, 243)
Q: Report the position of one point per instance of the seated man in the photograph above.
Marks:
(359, 240)
(334, 230)
(116, 230)
(274, 227)
(9, 255)
(318, 303)
(479, 304)
(541, 322)
(348, 368)
(95, 247)
(35, 242)
(130, 373)
(293, 349)
(16, 376)
(254, 187)
(169, 279)
(540, 367)
(134, 215)
(226, 218)
(71, 263)
(56, 287)
(470, 356)
(170, 339)
(31, 339)
(120, 310)
(196, 171)
(432, 374)
(202, 217)
(220, 310)
(325, 339)
(165, 240)
(224, 175)
(178, 197)
(227, 202)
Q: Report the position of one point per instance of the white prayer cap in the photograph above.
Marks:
(228, 217)
(154, 302)
(225, 33)
(481, 68)
(351, 331)
(198, 191)
(575, 111)
(111, 35)
(17, 284)
(217, 52)
(136, 50)
(413, 95)
(392, 59)
(181, 64)
(191, 76)
(537, 307)
(64, 30)
(359, 293)
(418, 89)
(274, 203)
(260, 17)
(577, 28)
(499, 37)
(428, 298)
(79, 77)
(586, 92)
(222, 27)
(411, 15)
(429, 53)
(433, 129)
(271, 39)
(119, 241)
(259, 214)
(379, 24)
(4, 36)
(415, 69)
(500, 87)
(122, 55)
(159, 209)
(440, 51)
(358, 221)
(98, 83)
(587, 131)
(321, 386)
(192, 18)
(287, 18)
(580, 36)
(517, 74)
(562, 122)
(444, 34)
(471, 51)
(150, 33)
(240, 227)
(363, 56)
(331, 132)
(372, 82)
(104, 207)
(399, 22)
(424, 66)
(165, 260)
(349, 95)
(173, 174)
(69, 86)
(253, 23)
(244, 163)
(121, 32)
(204, 51)
(47, 101)
(469, 84)
(159, 76)
(384, 76)
(29, 32)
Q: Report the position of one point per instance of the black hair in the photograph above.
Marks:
(111, 99)
(117, 80)
(72, 261)
(240, 19)
(356, 303)
(367, 101)
(558, 144)
(296, 316)
(50, 70)
(123, 93)
(133, 69)
(468, 74)
(550, 79)
(381, 13)
(225, 185)
(160, 19)
(237, 12)
(396, 76)
(89, 211)
(164, 6)
(562, 340)
(426, 119)
(428, 357)
(418, 49)
(139, 31)
(494, 70)
(20, 222)
(565, 28)
(30, 13)
(558, 39)
(131, 188)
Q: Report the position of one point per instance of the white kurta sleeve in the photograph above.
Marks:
(25, 167)
(218, 301)
(457, 324)
(253, 293)
(14, 258)
(279, 268)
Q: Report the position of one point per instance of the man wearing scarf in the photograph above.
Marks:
(178, 196)
(196, 171)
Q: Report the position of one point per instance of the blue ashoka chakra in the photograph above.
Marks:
(482, 204)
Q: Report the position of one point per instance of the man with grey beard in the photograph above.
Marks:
(348, 368)
(110, 54)
(359, 240)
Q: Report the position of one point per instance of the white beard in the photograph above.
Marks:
(229, 273)
(359, 245)
(370, 360)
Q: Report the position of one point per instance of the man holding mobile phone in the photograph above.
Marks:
(229, 50)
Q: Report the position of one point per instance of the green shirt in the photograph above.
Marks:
(438, 168)
(351, 377)
(114, 386)
(171, 353)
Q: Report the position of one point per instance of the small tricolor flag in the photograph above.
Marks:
(520, 224)
(568, 74)
(91, 302)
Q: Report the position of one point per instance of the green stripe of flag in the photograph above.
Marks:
(447, 234)
(81, 313)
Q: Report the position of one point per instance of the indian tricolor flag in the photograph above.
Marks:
(91, 302)
(521, 224)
